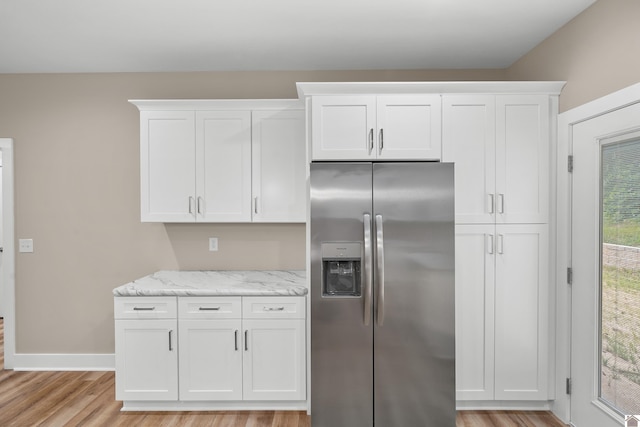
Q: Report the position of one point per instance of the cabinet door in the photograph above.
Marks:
(167, 166)
(210, 359)
(468, 139)
(521, 312)
(343, 127)
(475, 312)
(409, 127)
(223, 172)
(279, 166)
(146, 359)
(274, 359)
(522, 158)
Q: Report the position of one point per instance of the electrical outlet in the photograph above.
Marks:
(213, 244)
(25, 245)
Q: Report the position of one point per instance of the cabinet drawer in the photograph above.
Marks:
(209, 307)
(273, 307)
(145, 307)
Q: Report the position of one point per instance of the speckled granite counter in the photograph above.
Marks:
(212, 283)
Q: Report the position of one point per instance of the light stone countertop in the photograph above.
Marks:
(215, 283)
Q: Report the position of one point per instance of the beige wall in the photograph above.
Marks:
(597, 53)
(77, 195)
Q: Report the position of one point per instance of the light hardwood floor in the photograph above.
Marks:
(52, 399)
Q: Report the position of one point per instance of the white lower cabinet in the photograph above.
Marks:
(502, 314)
(146, 348)
(215, 349)
(210, 359)
(475, 274)
(274, 359)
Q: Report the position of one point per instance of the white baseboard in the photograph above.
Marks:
(508, 405)
(64, 362)
(227, 405)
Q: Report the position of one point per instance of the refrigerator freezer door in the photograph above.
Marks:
(341, 342)
(414, 348)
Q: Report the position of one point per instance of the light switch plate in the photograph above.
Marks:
(25, 245)
(213, 244)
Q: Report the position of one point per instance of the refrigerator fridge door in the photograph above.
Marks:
(341, 334)
(382, 347)
(414, 346)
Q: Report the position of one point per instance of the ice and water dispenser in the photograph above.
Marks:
(341, 263)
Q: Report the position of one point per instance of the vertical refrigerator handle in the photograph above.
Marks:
(367, 271)
(380, 268)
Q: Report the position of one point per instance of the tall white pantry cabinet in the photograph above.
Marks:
(501, 147)
(500, 137)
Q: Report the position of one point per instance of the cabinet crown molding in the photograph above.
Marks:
(416, 88)
(216, 104)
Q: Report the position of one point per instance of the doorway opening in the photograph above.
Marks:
(7, 262)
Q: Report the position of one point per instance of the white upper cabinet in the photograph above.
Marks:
(367, 127)
(500, 145)
(223, 171)
(167, 167)
(522, 158)
(222, 161)
(468, 140)
(342, 127)
(279, 184)
(409, 127)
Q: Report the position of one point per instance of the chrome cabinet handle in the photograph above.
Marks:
(500, 244)
(380, 265)
(370, 140)
(273, 308)
(381, 141)
(191, 202)
(208, 308)
(501, 203)
(255, 205)
(366, 272)
(490, 243)
(246, 340)
(143, 308)
(236, 339)
(200, 205)
(490, 203)
(170, 340)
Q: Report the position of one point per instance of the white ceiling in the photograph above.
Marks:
(207, 35)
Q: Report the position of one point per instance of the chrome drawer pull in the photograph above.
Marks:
(143, 308)
(209, 308)
(273, 308)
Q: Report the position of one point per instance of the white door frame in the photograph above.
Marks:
(620, 99)
(9, 257)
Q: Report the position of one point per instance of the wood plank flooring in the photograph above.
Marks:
(55, 399)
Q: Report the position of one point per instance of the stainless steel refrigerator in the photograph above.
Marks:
(382, 295)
